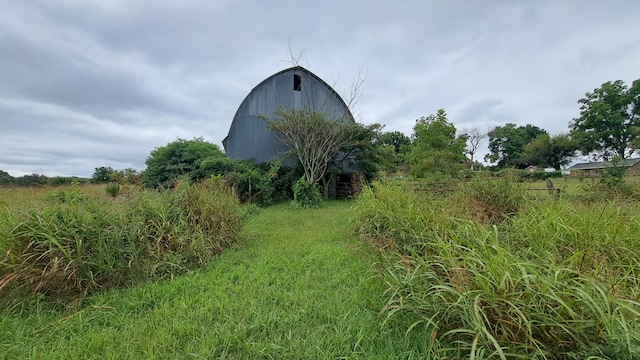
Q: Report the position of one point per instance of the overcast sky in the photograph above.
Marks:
(85, 84)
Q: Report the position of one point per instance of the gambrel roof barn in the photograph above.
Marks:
(295, 88)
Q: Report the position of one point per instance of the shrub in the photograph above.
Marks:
(112, 189)
(305, 196)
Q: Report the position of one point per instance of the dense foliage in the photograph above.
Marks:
(507, 143)
(609, 121)
(38, 180)
(435, 150)
(106, 174)
(180, 159)
(549, 151)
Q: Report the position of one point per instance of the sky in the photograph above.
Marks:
(85, 84)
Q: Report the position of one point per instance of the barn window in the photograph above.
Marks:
(297, 82)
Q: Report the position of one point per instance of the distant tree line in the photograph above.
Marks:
(38, 180)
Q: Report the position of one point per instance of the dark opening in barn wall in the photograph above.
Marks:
(297, 82)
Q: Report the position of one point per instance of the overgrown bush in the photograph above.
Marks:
(305, 196)
(554, 281)
(78, 245)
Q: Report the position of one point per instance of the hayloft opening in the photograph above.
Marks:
(297, 82)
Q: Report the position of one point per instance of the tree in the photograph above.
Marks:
(436, 150)
(398, 140)
(102, 174)
(369, 153)
(5, 178)
(506, 144)
(550, 151)
(180, 158)
(609, 120)
(314, 139)
(31, 180)
(475, 138)
(126, 176)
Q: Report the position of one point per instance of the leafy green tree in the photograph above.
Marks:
(5, 178)
(397, 139)
(550, 151)
(394, 147)
(609, 120)
(506, 144)
(369, 153)
(436, 151)
(102, 174)
(180, 158)
(315, 140)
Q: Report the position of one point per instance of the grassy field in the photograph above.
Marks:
(492, 270)
(296, 287)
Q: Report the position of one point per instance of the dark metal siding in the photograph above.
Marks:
(248, 136)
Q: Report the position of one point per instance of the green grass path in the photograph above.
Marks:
(298, 287)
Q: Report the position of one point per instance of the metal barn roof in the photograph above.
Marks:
(293, 88)
(603, 164)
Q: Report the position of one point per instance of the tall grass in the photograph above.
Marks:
(597, 240)
(535, 280)
(77, 244)
(296, 287)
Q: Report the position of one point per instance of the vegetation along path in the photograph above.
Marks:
(298, 287)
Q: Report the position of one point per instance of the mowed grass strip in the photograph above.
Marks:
(298, 287)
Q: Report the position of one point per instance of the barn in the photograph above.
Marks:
(295, 88)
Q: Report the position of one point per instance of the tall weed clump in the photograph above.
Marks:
(474, 291)
(391, 214)
(212, 212)
(491, 200)
(77, 244)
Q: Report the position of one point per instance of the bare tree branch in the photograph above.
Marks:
(475, 138)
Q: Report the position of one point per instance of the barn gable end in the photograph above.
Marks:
(295, 88)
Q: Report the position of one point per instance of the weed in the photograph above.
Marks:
(77, 244)
(530, 279)
(492, 200)
(112, 189)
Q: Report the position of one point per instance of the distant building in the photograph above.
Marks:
(295, 88)
(594, 169)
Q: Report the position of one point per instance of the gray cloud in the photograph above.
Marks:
(86, 84)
